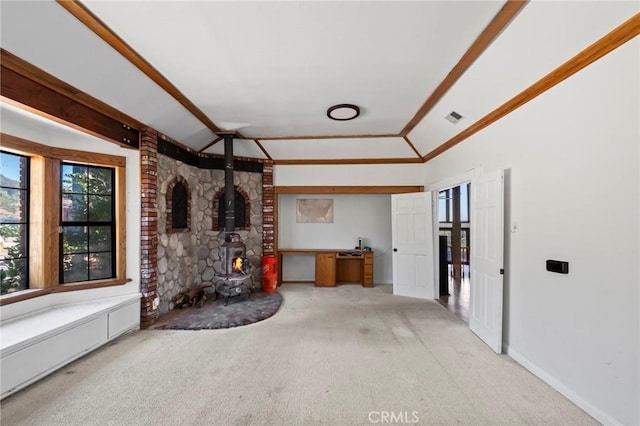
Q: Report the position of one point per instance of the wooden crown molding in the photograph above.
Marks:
(495, 27)
(611, 41)
(84, 15)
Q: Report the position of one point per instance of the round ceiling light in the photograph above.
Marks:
(343, 112)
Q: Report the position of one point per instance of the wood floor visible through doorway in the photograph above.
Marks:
(458, 299)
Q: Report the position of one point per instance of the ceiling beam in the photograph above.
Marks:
(32, 96)
(210, 144)
(490, 33)
(37, 75)
(406, 139)
(92, 22)
(264, 151)
(611, 41)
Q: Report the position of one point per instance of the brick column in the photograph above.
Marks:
(149, 225)
(268, 214)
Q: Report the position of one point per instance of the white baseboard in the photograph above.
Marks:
(571, 395)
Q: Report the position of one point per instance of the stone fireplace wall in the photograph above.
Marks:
(189, 258)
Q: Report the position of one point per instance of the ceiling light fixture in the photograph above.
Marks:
(343, 112)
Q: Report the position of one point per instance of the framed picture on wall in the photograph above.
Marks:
(314, 210)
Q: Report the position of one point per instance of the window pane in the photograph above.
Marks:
(87, 197)
(13, 275)
(13, 205)
(100, 266)
(100, 180)
(74, 178)
(14, 170)
(442, 206)
(75, 268)
(99, 238)
(74, 239)
(464, 203)
(100, 208)
(74, 208)
(13, 241)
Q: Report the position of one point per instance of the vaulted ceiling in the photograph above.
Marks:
(270, 70)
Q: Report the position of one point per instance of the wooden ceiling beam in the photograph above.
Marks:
(406, 139)
(490, 33)
(611, 41)
(264, 151)
(210, 144)
(84, 15)
(37, 75)
(32, 96)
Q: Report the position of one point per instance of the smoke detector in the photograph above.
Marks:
(454, 117)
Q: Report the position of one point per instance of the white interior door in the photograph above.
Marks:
(412, 239)
(487, 216)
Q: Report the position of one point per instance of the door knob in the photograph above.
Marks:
(395, 249)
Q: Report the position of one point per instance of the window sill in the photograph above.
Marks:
(19, 296)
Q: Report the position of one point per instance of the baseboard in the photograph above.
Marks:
(572, 396)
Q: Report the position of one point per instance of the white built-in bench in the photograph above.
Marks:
(40, 342)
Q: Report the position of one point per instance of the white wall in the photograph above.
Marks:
(28, 126)
(361, 215)
(573, 160)
(368, 216)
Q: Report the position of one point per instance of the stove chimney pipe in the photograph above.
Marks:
(229, 193)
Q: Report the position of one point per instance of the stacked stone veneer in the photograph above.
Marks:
(191, 258)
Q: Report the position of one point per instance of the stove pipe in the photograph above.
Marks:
(229, 193)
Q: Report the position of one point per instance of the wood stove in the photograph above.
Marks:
(236, 278)
(234, 258)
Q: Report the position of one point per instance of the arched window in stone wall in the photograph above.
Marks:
(242, 210)
(178, 206)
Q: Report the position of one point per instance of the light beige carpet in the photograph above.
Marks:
(332, 356)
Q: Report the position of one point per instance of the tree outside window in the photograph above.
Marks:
(88, 223)
(14, 222)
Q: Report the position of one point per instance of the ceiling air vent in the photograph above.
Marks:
(454, 117)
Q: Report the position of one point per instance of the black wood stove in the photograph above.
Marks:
(235, 279)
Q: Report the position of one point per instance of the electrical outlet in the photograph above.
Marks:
(156, 303)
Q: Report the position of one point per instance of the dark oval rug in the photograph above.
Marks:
(241, 310)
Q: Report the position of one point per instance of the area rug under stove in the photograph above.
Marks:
(241, 310)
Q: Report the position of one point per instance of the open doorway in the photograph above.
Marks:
(454, 257)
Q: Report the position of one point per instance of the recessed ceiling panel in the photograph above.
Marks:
(335, 149)
(280, 65)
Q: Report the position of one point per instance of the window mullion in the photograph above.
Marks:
(44, 222)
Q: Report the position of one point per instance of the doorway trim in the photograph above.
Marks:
(435, 188)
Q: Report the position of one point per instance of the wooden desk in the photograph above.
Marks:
(336, 266)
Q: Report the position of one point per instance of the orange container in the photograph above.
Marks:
(269, 282)
(268, 265)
